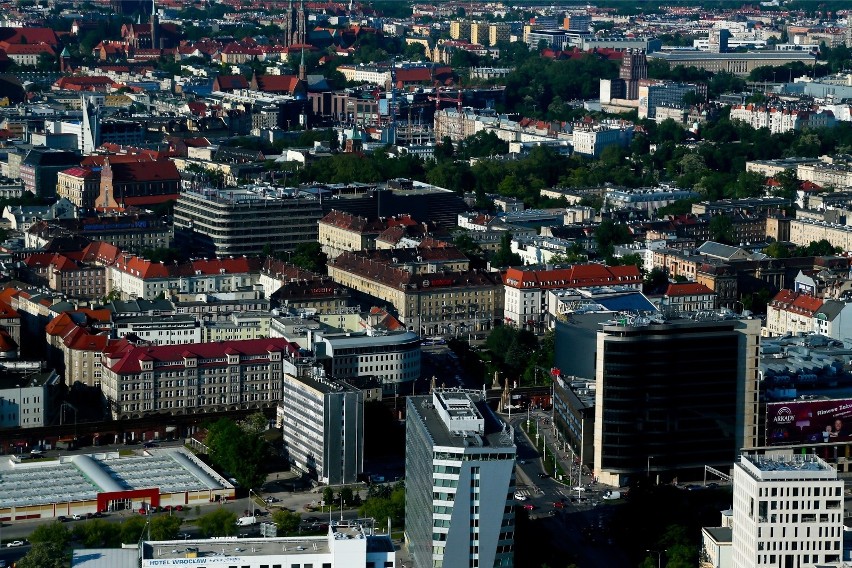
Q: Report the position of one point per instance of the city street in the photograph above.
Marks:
(576, 521)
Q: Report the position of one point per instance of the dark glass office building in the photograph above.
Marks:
(672, 397)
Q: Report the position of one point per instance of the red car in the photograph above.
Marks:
(559, 505)
(179, 508)
(529, 506)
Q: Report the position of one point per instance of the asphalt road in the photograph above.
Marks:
(574, 521)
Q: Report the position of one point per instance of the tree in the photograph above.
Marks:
(328, 496)
(608, 234)
(218, 523)
(466, 245)
(132, 529)
(777, 250)
(43, 555)
(346, 495)
(310, 257)
(237, 451)
(789, 184)
(656, 281)
(722, 230)
(382, 506)
(504, 255)
(286, 522)
(51, 533)
(165, 527)
(96, 533)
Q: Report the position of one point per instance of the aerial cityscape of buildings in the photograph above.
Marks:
(476, 284)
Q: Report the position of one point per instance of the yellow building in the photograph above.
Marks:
(498, 33)
(479, 33)
(460, 30)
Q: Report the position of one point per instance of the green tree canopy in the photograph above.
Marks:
(218, 523)
(241, 453)
(286, 522)
(504, 255)
(43, 555)
(51, 533)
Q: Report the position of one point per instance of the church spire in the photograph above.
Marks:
(303, 70)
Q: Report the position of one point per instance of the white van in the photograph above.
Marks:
(246, 521)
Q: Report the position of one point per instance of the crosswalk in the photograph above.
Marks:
(525, 493)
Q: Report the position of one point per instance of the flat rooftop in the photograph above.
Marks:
(787, 466)
(234, 547)
(81, 477)
(497, 435)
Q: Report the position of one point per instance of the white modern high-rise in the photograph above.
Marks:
(788, 512)
(459, 482)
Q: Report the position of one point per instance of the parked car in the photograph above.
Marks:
(178, 507)
(77, 517)
(151, 444)
(36, 452)
(14, 543)
(62, 519)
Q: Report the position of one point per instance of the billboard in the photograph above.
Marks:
(809, 422)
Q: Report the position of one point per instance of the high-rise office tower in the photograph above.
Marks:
(634, 66)
(459, 482)
(671, 396)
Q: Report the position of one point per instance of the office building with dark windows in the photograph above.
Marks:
(459, 482)
(671, 396)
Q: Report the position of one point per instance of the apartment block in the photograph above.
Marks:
(322, 426)
(242, 221)
(195, 377)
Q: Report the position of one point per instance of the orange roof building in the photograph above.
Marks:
(791, 312)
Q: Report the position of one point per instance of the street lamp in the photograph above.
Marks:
(659, 556)
(649, 466)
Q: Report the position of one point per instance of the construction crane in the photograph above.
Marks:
(440, 96)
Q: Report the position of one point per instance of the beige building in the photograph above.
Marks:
(479, 33)
(79, 185)
(432, 303)
(190, 378)
(771, 168)
(826, 174)
(238, 326)
(340, 232)
(791, 312)
(805, 231)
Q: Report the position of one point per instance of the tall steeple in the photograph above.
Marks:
(303, 70)
(155, 25)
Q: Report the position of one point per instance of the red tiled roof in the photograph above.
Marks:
(688, 289)
(81, 172)
(159, 170)
(125, 358)
(142, 268)
(7, 311)
(796, 302)
(577, 276)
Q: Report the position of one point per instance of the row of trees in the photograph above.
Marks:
(519, 355)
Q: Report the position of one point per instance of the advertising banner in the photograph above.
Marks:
(809, 422)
